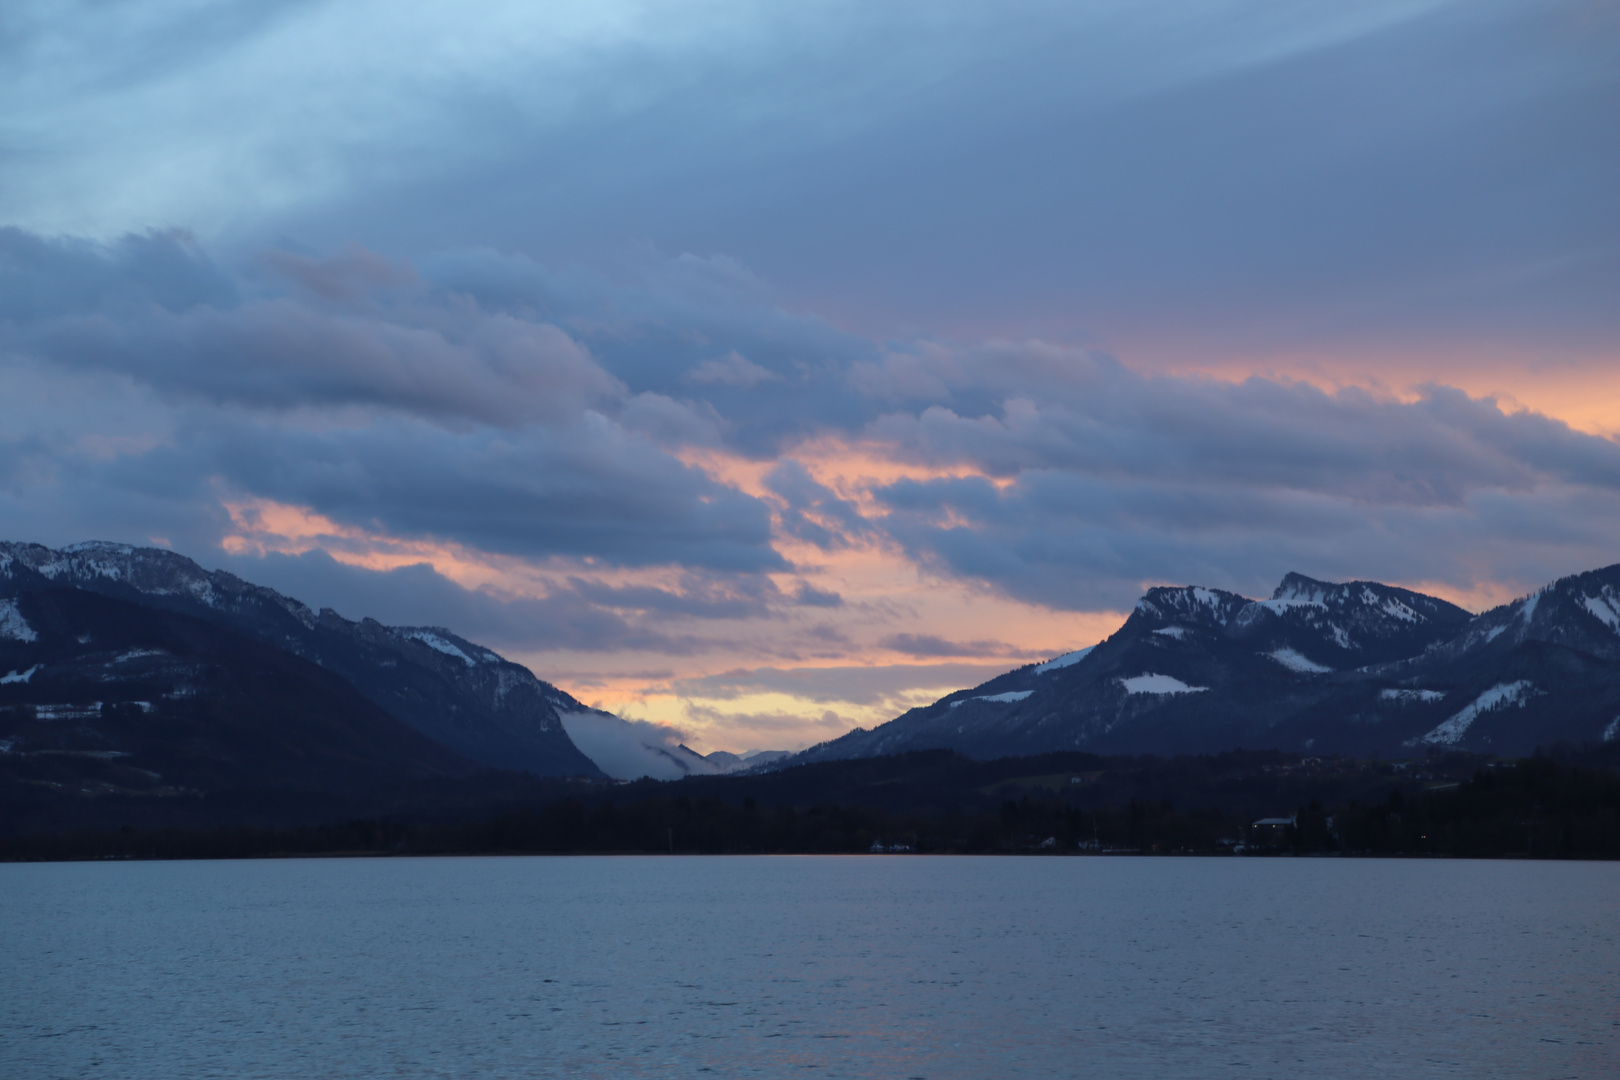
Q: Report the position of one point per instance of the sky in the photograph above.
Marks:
(757, 370)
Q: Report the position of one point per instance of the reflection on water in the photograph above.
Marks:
(831, 967)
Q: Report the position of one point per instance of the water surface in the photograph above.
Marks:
(834, 967)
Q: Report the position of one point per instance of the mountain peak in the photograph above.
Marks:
(1581, 611)
(1196, 603)
(1296, 586)
(110, 547)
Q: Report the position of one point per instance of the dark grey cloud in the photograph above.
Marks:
(1099, 479)
(391, 401)
(813, 512)
(279, 354)
(152, 309)
(435, 405)
(420, 596)
(810, 596)
(586, 490)
(698, 596)
(1012, 409)
(1254, 174)
(361, 393)
(574, 614)
(1063, 540)
(701, 332)
(929, 645)
(45, 278)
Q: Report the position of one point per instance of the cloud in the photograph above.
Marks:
(768, 730)
(418, 595)
(930, 645)
(173, 327)
(1229, 174)
(632, 749)
(831, 685)
(781, 377)
(698, 596)
(811, 511)
(47, 278)
(489, 402)
(319, 100)
(587, 490)
(1019, 408)
(411, 413)
(1086, 543)
(810, 596)
(733, 369)
(1079, 480)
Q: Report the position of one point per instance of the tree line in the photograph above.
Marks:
(1542, 807)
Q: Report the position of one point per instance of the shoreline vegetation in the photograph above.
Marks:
(1561, 804)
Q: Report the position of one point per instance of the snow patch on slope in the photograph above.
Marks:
(1000, 699)
(1150, 683)
(1396, 609)
(1605, 608)
(12, 623)
(1296, 661)
(1613, 730)
(1499, 696)
(1177, 632)
(1281, 604)
(434, 641)
(1068, 659)
(18, 677)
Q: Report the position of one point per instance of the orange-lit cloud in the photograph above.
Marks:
(885, 599)
(264, 525)
(1581, 386)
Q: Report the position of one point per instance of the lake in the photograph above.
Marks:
(896, 966)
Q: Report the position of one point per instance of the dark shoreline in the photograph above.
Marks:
(1561, 805)
(363, 855)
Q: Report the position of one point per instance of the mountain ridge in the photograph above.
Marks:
(459, 694)
(1323, 667)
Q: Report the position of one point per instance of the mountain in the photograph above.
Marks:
(728, 762)
(102, 698)
(457, 694)
(1352, 668)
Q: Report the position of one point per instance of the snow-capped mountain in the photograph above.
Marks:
(458, 694)
(1358, 667)
(1580, 612)
(1314, 626)
(105, 698)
